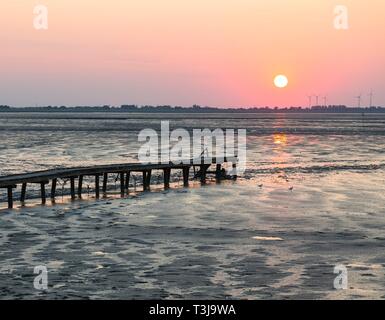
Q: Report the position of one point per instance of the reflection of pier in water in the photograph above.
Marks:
(123, 170)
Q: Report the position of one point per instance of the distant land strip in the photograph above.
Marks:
(195, 109)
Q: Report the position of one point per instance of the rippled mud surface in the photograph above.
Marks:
(240, 240)
(312, 197)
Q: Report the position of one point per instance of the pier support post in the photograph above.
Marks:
(72, 181)
(127, 182)
(105, 180)
(80, 186)
(10, 196)
(53, 189)
(146, 180)
(186, 171)
(97, 186)
(203, 173)
(166, 175)
(218, 173)
(42, 192)
(23, 192)
(122, 183)
(235, 176)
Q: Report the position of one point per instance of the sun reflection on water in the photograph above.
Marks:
(280, 139)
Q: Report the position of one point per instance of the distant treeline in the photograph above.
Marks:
(193, 109)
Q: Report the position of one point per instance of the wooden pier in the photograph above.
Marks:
(123, 171)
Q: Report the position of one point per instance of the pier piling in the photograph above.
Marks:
(23, 192)
(146, 180)
(97, 186)
(72, 181)
(80, 186)
(53, 189)
(105, 180)
(166, 176)
(127, 182)
(122, 185)
(42, 192)
(186, 171)
(235, 176)
(218, 173)
(10, 196)
(203, 173)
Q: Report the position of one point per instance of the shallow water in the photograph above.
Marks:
(312, 198)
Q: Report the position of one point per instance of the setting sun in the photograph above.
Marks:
(281, 81)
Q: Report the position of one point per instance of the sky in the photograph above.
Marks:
(221, 53)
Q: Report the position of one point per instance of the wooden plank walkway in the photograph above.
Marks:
(123, 170)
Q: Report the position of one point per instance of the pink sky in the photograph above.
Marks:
(208, 52)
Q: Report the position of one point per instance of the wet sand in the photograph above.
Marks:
(312, 197)
(271, 237)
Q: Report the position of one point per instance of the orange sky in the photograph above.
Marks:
(209, 52)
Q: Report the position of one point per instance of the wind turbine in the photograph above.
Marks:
(316, 99)
(325, 98)
(309, 97)
(359, 100)
(371, 98)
